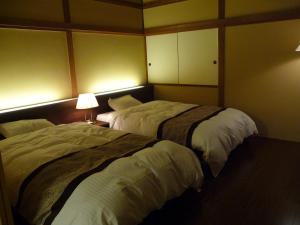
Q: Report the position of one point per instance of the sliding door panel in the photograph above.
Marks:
(198, 55)
(162, 58)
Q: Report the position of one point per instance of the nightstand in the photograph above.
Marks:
(101, 123)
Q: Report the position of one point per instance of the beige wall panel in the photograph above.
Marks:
(197, 51)
(105, 14)
(181, 12)
(187, 94)
(48, 10)
(108, 62)
(163, 55)
(262, 76)
(240, 7)
(33, 67)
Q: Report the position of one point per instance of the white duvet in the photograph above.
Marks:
(215, 137)
(123, 193)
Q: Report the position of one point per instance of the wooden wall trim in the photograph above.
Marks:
(221, 40)
(221, 50)
(147, 5)
(205, 24)
(145, 50)
(221, 9)
(160, 3)
(32, 24)
(54, 26)
(222, 21)
(263, 17)
(123, 3)
(106, 30)
(67, 19)
(72, 63)
(186, 85)
(66, 9)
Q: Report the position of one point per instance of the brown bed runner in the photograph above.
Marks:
(180, 128)
(44, 192)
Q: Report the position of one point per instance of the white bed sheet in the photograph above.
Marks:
(215, 137)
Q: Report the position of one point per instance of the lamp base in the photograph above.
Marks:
(89, 121)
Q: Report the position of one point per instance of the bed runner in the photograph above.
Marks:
(180, 128)
(44, 192)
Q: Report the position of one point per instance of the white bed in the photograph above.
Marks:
(215, 137)
(121, 194)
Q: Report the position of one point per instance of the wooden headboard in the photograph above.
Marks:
(65, 112)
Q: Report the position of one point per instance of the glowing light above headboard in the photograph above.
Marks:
(65, 100)
(111, 85)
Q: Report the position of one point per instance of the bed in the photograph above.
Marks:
(85, 174)
(210, 130)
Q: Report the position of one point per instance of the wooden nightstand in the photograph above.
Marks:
(101, 123)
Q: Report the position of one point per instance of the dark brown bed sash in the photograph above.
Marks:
(45, 191)
(180, 128)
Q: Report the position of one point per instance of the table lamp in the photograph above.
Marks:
(87, 101)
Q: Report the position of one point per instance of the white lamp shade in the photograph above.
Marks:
(298, 49)
(86, 101)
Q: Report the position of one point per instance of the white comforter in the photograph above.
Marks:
(123, 193)
(215, 137)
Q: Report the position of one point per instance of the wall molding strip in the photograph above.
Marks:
(67, 19)
(290, 14)
(221, 63)
(123, 3)
(205, 24)
(56, 26)
(155, 3)
(222, 21)
(186, 85)
(160, 3)
(72, 64)
(66, 10)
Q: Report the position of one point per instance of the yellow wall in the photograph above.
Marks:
(33, 67)
(239, 8)
(104, 14)
(263, 78)
(46, 10)
(107, 62)
(89, 12)
(180, 12)
(188, 94)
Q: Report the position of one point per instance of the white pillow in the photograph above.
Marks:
(11, 129)
(106, 117)
(123, 102)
